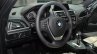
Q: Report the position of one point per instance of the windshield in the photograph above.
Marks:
(27, 2)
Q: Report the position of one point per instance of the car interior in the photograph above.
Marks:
(49, 27)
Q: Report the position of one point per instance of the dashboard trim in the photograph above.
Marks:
(18, 30)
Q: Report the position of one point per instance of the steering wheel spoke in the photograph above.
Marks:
(67, 26)
(43, 25)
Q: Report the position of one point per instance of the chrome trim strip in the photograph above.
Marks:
(18, 30)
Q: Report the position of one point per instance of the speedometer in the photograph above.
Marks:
(31, 16)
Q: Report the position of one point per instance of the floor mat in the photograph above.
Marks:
(23, 50)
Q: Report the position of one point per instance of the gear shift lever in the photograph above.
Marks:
(77, 43)
(78, 37)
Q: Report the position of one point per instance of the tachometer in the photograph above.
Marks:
(31, 16)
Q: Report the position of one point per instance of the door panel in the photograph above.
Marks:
(5, 7)
(92, 23)
(92, 27)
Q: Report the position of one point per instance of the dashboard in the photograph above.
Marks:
(31, 14)
(21, 24)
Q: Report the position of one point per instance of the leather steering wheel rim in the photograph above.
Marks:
(40, 12)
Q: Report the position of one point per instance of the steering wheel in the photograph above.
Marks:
(58, 28)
